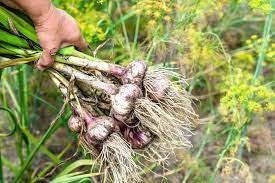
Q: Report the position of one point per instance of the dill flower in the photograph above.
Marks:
(167, 18)
(271, 54)
(254, 36)
(226, 170)
(148, 13)
(93, 27)
(259, 40)
(243, 93)
(270, 107)
(152, 23)
(101, 1)
(155, 10)
(248, 41)
(157, 14)
(262, 6)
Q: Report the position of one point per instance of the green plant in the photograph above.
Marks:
(126, 97)
(221, 46)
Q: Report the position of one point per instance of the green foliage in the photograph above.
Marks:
(240, 93)
(220, 46)
(254, 44)
(92, 21)
(263, 6)
(156, 11)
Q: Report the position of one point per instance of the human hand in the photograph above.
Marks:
(56, 29)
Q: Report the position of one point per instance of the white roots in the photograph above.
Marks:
(164, 125)
(170, 95)
(118, 157)
(157, 151)
(166, 110)
(179, 105)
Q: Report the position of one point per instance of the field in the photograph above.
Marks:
(225, 50)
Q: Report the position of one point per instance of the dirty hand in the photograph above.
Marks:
(56, 29)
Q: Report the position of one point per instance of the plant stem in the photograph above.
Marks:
(136, 36)
(12, 39)
(124, 28)
(43, 149)
(47, 168)
(23, 101)
(13, 119)
(45, 137)
(112, 69)
(71, 51)
(209, 128)
(1, 169)
(9, 164)
(153, 46)
(18, 61)
(122, 19)
(205, 137)
(109, 89)
(221, 155)
(266, 36)
(6, 17)
(6, 52)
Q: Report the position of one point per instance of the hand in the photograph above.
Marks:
(56, 29)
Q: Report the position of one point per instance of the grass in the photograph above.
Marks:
(204, 39)
(1, 170)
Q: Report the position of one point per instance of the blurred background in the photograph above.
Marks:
(224, 48)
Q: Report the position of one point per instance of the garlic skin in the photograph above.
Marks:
(138, 138)
(74, 124)
(100, 129)
(124, 102)
(134, 73)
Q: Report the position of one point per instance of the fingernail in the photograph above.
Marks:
(40, 67)
(53, 51)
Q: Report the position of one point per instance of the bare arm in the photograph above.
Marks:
(11, 4)
(55, 28)
(34, 8)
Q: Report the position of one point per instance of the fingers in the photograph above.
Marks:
(46, 59)
(58, 31)
(81, 44)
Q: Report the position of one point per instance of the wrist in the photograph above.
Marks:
(11, 4)
(41, 14)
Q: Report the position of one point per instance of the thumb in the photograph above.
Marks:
(46, 59)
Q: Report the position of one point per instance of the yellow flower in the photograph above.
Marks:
(138, 11)
(148, 13)
(148, 7)
(266, 8)
(167, 18)
(152, 23)
(227, 170)
(260, 40)
(270, 107)
(140, 3)
(248, 41)
(254, 36)
(157, 14)
(270, 54)
(168, 10)
(250, 45)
